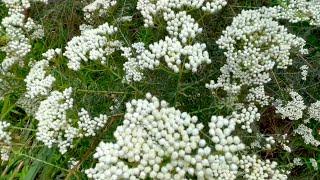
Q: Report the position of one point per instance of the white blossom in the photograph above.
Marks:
(100, 6)
(53, 125)
(173, 52)
(17, 6)
(4, 135)
(270, 141)
(5, 153)
(125, 19)
(314, 110)
(92, 45)
(314, 164)
(176, 49)
(246, 117)
(72, 163)
(254, 44)
(297, 161)
(293, 109)
(258, 95)
(132, 69)
(55, 128)
(181, 25)
(35, 30)
(263, 141)
(300, 10)
(220, 130)
(304, 72)
(255, 168)
(5, 141)
(307, 135)
(20, 31)
(153, 133)
(149, 9)
(38, 82)
(89, 126)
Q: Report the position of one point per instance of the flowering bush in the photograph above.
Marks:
(155, 89)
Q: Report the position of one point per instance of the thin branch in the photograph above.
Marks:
(103, 92)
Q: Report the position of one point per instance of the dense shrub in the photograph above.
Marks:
(159, 89)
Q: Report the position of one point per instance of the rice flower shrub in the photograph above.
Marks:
(20, 31)
(155, 140)
(255, 44)
(154, 133)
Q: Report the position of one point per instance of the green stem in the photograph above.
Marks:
(20, 128)
(102, 92)
(39, 160)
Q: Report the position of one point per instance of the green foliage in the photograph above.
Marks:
(97, 86)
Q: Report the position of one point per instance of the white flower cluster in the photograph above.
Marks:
(92, 44)
(300, 10)
(181, 25)
(17, 6)
(4, 153)
(117, 103)
(53, 127)
(258, 95)
(125, 19)
(254, 45)
(18, 45)
(297, 161)
(150, 8)
(72, 163)
(307, 135)
(159, 142)
(131, 67)
(255, 168)
(20, 31)
(283, 142)
(5, 140)
(256, 144)
(102, 6)
(37, 81)
(314, 111)
(173, 52)
(222, 136)
(176, 49)
(268, 141)
(88, 125)
(4, 135)
(34, 30)
(304, 72)
(314, 164)
(293, 109)
(246, 117)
